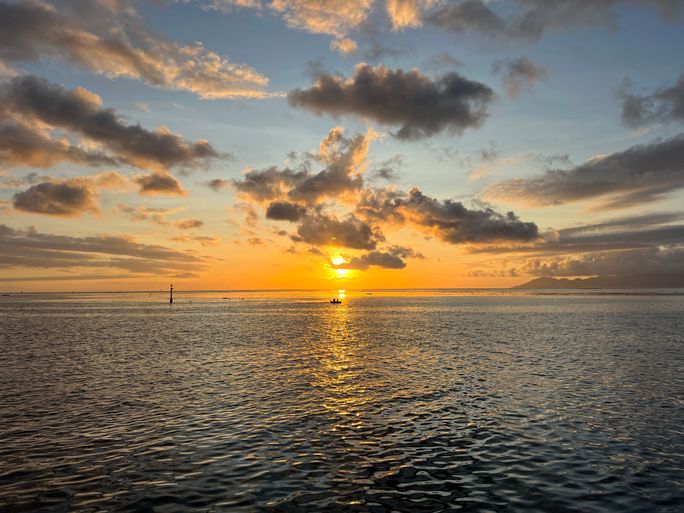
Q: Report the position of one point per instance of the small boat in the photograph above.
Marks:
(335, 301)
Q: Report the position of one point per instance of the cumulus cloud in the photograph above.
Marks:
(662, 106)
(327, 230)
(333, 207)
(449, 220)
(420, 106)
(285, 211)
(24, 144)
(80, 112)
(519, 75)
(373, 259)
(29, 248)
(112, 40)
(159, 183)
(640, 174)
(67, 198)
(407, 13)
(344, 159)
(390, 258)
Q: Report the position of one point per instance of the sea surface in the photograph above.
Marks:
(393, 401)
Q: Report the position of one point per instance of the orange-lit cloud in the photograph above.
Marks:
(115, 42)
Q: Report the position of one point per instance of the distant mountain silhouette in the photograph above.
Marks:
(635, 281)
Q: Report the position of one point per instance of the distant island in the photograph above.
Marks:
(638, 281)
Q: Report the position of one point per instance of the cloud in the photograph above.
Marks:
(391, 258)
(29, 248)
(344, 159)
(189, 224)
(519, 75)
(152, 214)
(449, 220)
(217, 184)
(67, 198)
(640, 174)
(24, 144)
(373, 259)
(331, 17)
(204, 240)
(314, 201)
(344, 46)
(406, 13)
(653, 260)
(529, 20)
(284, 211)
(80, 111)
(662, 106)
(470, 15)
(159, 183)
(420, 106)
(114, 42)
(327, 230)
(624, 233)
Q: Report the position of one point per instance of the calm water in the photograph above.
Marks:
(390, 402)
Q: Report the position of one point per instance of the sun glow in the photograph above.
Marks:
(340, 273)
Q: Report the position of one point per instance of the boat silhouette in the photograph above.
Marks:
(335, 301)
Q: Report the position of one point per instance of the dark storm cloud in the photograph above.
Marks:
(30, 248)
(662, 106)
(420, 106)
(530, 19)
(159, 183)
(285, 211)
(68, 199)
(640, 174)
(80, 111)
(24, 145)
(326, 230)
(109, 38)
(449, 220)
(519, 75)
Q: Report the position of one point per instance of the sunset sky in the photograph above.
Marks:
(246, 144)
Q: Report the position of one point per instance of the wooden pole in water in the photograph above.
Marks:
(171, 295)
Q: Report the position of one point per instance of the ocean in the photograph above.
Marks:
(393, 401)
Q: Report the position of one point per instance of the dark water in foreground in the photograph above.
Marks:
(553, 403)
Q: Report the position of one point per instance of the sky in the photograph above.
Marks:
(278, 144)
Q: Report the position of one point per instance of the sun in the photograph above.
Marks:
(340, 273)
